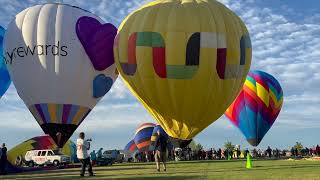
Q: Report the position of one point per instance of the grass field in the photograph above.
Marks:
(268, 169)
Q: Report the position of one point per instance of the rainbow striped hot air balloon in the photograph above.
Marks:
(257, 106)
(143, 136)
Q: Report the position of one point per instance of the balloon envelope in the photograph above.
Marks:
(186, 68)
(60, 58)
(143, 135)
(131, 147)
(4, 74)
(257, 106)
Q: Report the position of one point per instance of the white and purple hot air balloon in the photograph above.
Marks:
(60, 58)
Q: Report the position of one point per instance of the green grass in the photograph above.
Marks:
(267, 169)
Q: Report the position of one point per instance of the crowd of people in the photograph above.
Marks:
(187, 153)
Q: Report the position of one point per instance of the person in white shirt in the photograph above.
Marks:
(82, 153)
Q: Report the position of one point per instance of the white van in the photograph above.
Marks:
(46, 157)
(115, 155)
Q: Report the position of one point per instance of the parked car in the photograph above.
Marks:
(46, 157)
(127, 157)
(115, 155)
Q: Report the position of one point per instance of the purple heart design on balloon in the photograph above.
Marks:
(97, 40)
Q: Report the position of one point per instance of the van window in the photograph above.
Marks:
(39, 153)
(43, 153)
(50, 153)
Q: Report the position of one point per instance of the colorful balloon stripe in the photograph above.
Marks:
(131, 147)
(59, 113)
(257, 106)
(143, 136)
(143, 126)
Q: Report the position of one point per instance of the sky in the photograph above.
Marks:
(285, 37)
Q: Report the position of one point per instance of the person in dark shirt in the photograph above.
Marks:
(219, 153)
(269, 150)
(3, 159)
(161, 151)
(318, 150)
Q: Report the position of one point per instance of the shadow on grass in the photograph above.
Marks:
(178, 177)
(68, 171)
(165, 177)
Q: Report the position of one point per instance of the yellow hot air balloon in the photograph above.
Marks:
(185, 60)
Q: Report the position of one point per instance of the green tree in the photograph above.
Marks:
(298, 146)
(229, 146)
(199, 147)
(195, 146)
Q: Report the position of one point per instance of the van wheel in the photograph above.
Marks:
(56, 163)
(31, 164)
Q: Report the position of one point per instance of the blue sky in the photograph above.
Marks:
(286, 43)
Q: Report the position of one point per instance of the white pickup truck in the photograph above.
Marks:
(46, 157)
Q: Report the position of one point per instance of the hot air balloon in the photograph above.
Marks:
(186, 61)
(142, 137)
(257, 106)
(60, 58)
(4, 74)
(131, 148)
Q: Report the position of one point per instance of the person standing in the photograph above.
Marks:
(3, 159)
(82, 153)
(269, 150)
(99, 154)
(161, 151)
(93, 157)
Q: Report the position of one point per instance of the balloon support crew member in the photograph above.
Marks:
(82, 153)
(161, 151)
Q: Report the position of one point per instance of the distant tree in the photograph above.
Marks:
(199, 147)
(298, 146)
(229, 146)
(195, 146)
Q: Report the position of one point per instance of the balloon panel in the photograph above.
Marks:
(188, 67)
(257, 106)
(131, 147)
(60, 58)
(143, 136)
(4, 74)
